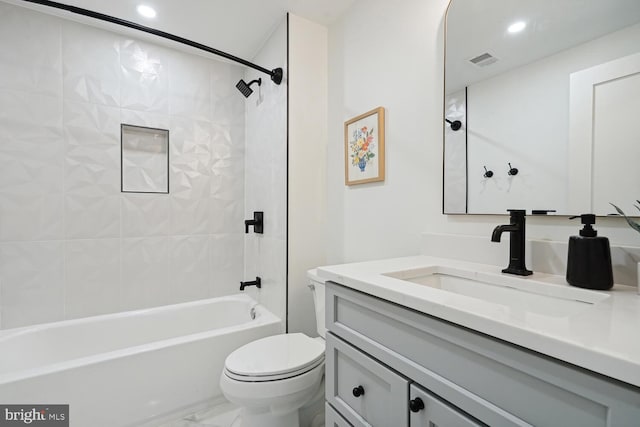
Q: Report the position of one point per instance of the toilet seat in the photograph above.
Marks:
(275, 358)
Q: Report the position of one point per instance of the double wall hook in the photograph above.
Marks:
(512, 171)
(487, 173)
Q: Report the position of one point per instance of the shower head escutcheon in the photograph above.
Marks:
(455, 125)
(245, 88)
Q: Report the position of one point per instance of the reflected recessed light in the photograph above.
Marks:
(516, 27)
(146, 11)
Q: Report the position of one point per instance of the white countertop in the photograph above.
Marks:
(604, 337)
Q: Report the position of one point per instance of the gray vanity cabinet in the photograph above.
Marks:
(382, 356)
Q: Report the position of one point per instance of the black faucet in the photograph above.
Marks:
(516, 242)
(256, 222)
(257, 283)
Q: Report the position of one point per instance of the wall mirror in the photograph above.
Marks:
(145, 159)
(542, 106)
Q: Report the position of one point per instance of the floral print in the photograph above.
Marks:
(361, 147)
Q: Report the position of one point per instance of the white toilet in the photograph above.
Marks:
(272, 378)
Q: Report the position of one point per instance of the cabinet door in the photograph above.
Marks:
(364, 391)
(427, 410)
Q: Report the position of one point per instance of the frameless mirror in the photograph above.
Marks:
(145, 159)
(542, 100)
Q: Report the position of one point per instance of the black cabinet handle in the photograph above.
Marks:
(416, 405)
(358, 391)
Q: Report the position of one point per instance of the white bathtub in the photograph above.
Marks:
(127, 368)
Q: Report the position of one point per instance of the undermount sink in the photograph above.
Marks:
(514, 293)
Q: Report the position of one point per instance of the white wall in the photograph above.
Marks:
(307, 165)
(528, 125)
(266, 176)
(72, 245)
(399, 64)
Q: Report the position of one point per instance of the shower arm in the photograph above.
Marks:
(276, 74)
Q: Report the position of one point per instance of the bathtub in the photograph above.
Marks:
(128, 368)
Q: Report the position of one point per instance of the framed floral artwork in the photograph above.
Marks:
(364, 148)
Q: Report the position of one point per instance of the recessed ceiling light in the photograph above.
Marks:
(146, 11)
(516, 27)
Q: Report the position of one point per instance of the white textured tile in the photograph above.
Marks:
(31, 283)
(189, 86)
(31, 172)
(273, 270)
(190, 268)
(91, 64)
(226, 216)
(189, 216)
(31, 217)
(227, 261)
(92, 135)
(30, 46)
(92, 170)
(145, 215)
(147, 119)
(190, 155)
(144, 76)
(227, 180)
(91, 217)
(28, 116)
(145, 267)
(92, 277)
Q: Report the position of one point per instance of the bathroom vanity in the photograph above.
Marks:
(430, 342)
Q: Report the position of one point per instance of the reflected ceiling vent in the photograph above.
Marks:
(483, 60)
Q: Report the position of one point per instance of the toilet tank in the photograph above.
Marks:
(316, 284)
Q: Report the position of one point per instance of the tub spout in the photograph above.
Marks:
(257, 283)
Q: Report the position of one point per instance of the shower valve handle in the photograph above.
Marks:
(256, 222)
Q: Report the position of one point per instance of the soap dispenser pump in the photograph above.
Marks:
(589, 258)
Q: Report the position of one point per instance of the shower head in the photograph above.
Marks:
(245, 88)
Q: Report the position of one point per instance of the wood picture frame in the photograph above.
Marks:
(364, 148)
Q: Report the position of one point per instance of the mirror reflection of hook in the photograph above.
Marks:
(487, 174)
(455, 125)
(512, 171)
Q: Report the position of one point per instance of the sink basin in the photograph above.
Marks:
(514, 293)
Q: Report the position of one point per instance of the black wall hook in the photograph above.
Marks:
(487, 174)
(455, 125)
(512, 171)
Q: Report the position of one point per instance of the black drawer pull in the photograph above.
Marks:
(416, 405)
(358, 391)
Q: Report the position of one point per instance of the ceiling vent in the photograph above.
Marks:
(483, 60)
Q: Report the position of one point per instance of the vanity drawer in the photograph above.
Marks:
(363, 390)
(427, 410)
(333, 419)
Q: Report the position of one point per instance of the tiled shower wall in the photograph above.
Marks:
(72, 245)
(266, 176)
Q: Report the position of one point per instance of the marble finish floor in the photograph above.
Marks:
(222, 415)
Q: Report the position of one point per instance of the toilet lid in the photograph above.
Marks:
(276, 355)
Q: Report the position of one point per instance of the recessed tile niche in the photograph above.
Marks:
(145, 159)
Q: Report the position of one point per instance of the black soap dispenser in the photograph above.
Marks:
(589, 258)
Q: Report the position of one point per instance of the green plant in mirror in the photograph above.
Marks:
(631, 222)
